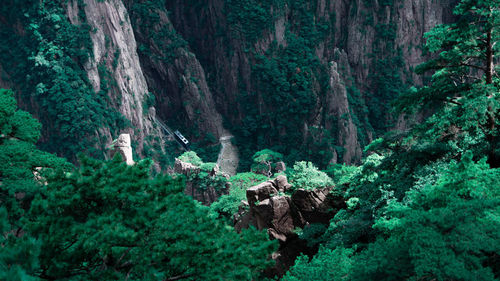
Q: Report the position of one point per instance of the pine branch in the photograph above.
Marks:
(178, 277)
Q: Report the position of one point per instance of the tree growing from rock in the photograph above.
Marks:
(264, 160)
(306, 175)
(464, 91)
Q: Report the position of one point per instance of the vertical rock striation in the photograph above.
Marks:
(115, 58)
(311, 79)
(375, 45)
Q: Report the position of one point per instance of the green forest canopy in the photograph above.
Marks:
(424, 205)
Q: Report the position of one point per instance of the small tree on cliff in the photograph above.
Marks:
(264, 160)
(465, 86)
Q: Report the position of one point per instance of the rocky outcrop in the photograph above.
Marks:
(281, 214)
(338, 106)
(123, 146)
(185, 168)
(114, 52)
(201, 189)
(317, 206)
(281, 183)
(268, 208)
(261, 192)
(275, 214)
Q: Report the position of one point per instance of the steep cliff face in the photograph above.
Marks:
(114, 57)
(175, 76)
(310, 79)
(375, 44)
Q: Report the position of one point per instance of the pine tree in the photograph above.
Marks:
(449, 230)
(109, 221)
(464, 92)
(22, 170)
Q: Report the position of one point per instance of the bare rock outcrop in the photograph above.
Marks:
(338, 105)
(198, 188)
(281, 214)
(123, 146)
(268, 208)
(275, 215)
(114, 53)
(317, 206)
(281, 183)
(261, 192)
(185, 168)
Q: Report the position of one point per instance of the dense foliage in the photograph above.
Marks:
(424, 205)
(44, 55)
(107, 220)
(22, 167)
(305, 175)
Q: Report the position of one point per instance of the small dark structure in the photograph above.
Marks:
(181, 140)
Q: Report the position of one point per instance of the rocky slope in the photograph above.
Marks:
(311, 79)
(269, 208)
(115, 50)
(366, 52)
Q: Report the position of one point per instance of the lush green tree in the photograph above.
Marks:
(265, 160)
(306, 175)
(107, 220)
(326, 265)
(191, 157)
(341, 173)
(22, 165)
(18, 252)
(449, 230)
(461, 104)
(228, 204)
(464, 92)
(410, 201)
(22, 170)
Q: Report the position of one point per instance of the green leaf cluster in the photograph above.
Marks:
(227, 205)
(305, 175)
(45, 61)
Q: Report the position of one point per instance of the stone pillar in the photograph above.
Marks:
(122, 145)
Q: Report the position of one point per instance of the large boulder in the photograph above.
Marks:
(185, 168)
(281, 183)
(318, 205)
(275, 214)
(281, 214)
(261, 192)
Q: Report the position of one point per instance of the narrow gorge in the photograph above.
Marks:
(270, 73)
(294, 140)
